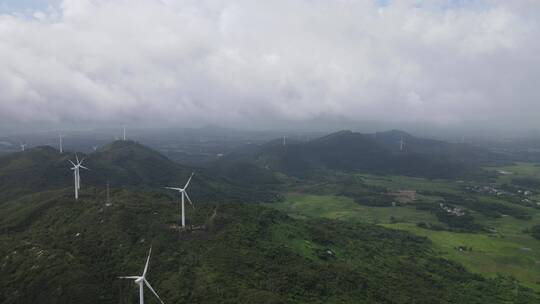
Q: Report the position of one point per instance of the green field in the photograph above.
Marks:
(343, 208)
(512, 254)
(509, 251)
(521, 169)
(394, 182)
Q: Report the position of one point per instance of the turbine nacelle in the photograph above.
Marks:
(76, 168)
(78, 164)
(141, 280)
(184, 195)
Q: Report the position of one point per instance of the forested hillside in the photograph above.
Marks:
(55, 250)
(380, 153)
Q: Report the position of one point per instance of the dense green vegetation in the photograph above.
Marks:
(535, 232)
(368, 195)
(457, 223)
(123, 164)
(245, 173)
(526, 182)
(466, 222)
(72, 252)
(38, 169)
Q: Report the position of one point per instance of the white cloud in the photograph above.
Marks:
(174, 62)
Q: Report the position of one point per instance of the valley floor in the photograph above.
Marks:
(506, 248)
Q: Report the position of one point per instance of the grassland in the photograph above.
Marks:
(344, 208)
(393, 182)
(514, 254)
(508, 251)
(518, 169)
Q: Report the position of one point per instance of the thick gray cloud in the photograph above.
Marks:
(242, 61)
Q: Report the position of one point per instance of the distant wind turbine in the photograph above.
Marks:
(108, 201)
(61, 148)
(284, 141)
(23, 146)
(141, 281)
(124, 133)
(184, 196)
(76, 174)
(401, 144)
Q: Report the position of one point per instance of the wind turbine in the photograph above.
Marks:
(23, 146)
(284, 141)
(141, 281)
(108, 201)
(60, 137)
(401, 144)
(76, 174)
(184, 196)
(124, 133)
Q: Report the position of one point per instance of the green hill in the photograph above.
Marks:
(125, 164)
(390, 140)
(34, 170)
(371, 153)
(54, 250)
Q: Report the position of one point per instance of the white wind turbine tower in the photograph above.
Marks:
(184, 196)
(401, 144)
(76, 174)
(23, 146)
(60, 137)
(124, 133)
(284, 141)
(141, 281)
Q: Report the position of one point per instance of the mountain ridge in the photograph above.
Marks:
(121, 164)
(378, 153)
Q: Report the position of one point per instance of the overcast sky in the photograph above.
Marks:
(235, 62)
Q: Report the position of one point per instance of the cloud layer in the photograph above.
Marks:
(165, 62)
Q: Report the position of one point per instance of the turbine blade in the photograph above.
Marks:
(147, 261)
(77, 158)
(130, 277)
(84, 167)
(72, 163)
(189, 180)
(189, 200)
(153, 291)
(171, 188)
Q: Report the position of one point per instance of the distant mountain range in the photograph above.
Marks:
(247, 173)
(380, 153)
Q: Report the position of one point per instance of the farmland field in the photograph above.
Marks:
(506, 249)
